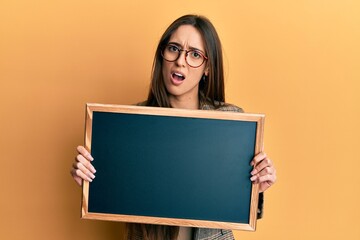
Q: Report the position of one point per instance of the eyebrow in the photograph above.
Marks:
(190, 48)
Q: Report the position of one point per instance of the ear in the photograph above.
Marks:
(206, 72)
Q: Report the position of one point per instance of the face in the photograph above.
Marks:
(181, 80)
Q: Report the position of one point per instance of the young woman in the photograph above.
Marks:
(187, 73)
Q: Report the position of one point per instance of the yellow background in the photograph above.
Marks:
(296, 61)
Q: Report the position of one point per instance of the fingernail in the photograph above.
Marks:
(253, 178)
(253, 172)
(91, 158)
(89, 179)
(93, 169)
(92, 175)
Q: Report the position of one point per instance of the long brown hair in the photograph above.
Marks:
(211, 87)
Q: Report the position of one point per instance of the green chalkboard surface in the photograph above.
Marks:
(173, 167)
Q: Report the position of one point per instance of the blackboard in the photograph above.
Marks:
(172, 166)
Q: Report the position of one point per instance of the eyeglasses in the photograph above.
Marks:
(194, 58)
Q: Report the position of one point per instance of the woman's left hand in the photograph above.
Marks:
(264, 172)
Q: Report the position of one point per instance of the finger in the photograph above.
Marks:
(80, 158)
(266, 171)
(80, 174)
(77, 179)
(85, 153)
(258, 158)
(268, 178)
(262, 165)
(264, 186)
(265, 182)
(263, 172)
(82, 168)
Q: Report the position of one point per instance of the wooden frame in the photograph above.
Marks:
(92, 197)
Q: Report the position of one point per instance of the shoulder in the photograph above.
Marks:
(143, 103)
(229, 108)
(220, 106)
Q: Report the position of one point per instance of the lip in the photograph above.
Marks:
(174, 81)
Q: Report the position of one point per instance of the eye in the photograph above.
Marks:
(172, 48)
(195, 54)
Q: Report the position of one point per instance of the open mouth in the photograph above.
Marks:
(178, 76)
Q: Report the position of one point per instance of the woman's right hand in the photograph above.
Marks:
(82, 168)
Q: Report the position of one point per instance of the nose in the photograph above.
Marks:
(181, 60)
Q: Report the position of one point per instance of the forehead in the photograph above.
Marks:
(188, 36)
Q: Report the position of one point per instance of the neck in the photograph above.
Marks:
(184, 102)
